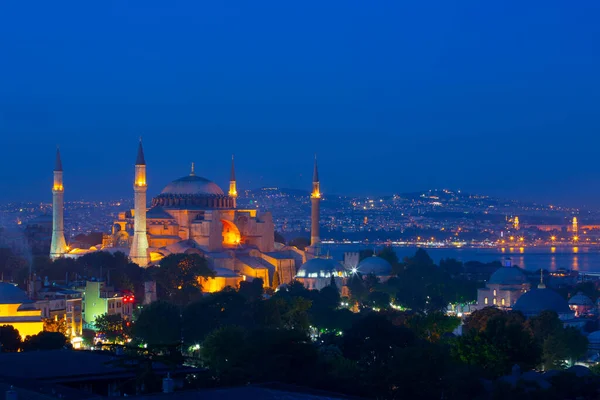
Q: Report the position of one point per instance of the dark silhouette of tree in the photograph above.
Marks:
(113, 326)
(10, 339)
(479, 318)
(177, 278)
(55, 325)
(252, 290)
(159, 324)
(45, 341)
(389, 254)
(213, 312)
(380, 300)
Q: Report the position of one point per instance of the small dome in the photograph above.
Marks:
(581, 299)
(508, 276)
(536, 301)
(375, 265)
(10, 294)
(319, 268)
(192, 185)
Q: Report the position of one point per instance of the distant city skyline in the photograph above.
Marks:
(497, 99)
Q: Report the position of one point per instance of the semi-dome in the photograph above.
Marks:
(10, 294)
(320, 268)
(508, 276)
(581, 299)
(538, 300)
(192, 185)
(375, 265)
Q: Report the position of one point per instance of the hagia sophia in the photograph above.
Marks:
(194, 215)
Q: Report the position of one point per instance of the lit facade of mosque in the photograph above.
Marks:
(193, 215)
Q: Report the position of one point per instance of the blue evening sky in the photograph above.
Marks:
(500, 98)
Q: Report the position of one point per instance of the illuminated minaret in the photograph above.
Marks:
(575, 229)
(516, 223)
(315, 199)
(59, 245)
(139, 246)
(232, 185)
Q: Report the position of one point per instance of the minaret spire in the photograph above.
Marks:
(316, 171)
(140, 160)
(315, 199)
(139, 245)
(232, 184)
(58, 163)
(193, 172)
(58, 246)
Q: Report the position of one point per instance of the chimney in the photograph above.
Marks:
(168, 384)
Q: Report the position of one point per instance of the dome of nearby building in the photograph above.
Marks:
(10, 294)
(320, 268)
(581, 300)
(192, 185)
(508, 276)
(536, 301)
(375, 265)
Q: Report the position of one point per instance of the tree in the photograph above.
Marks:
(56, 325)
(159, 324)
(478, 319)
(178, 277)
(543, 325)
(378, 300)
(563, 346)
(45, 341)
(112, 326)
(252, 290)
(451, 266)
(214, 311)
(10, 339)
(389, 254)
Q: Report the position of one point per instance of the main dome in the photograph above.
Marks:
(537, 300)
(192, 185)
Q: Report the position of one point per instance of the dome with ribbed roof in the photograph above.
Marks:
(10, 294)
(192, 185)
(320, 268)
(192, 192)
(581, 299)
(508, 276)
(374, 265)
(535, 301)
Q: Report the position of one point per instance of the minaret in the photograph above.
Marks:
(315, 199)
(139, 246)
(59, 245)
(232, 184)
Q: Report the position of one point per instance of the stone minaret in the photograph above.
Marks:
(315, 199)
(139, 246)
(232, 185)
(59, 245)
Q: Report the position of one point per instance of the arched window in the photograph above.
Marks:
(485, 300)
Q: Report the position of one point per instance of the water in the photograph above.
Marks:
(582, 259)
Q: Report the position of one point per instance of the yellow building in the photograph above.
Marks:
(18, 311)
